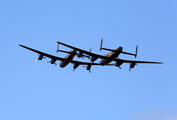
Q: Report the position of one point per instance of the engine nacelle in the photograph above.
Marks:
(40, 57)
(75, 65)
(80, 54)
(89, 67)
(94, 58)
(132, 65)
(53, 61)
(118, 63)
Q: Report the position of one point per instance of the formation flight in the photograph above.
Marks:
(105, 59)
(64, 61)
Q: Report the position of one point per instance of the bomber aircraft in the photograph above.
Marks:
(106, 59)
(64, 61)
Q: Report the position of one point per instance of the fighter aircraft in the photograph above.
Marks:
(106, 59)
(64, 61)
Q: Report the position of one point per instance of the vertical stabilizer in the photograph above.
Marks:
(101, 44)
(57, 47)
(136, 51)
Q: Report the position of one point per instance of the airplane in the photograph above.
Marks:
(106, 59)
(94, 57)
(64, 61)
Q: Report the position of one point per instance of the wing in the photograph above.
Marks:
(62, 59)
(88, 63)
(44, 54)
(134, 61)
(84, 51)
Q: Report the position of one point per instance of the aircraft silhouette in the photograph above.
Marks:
(105, 59)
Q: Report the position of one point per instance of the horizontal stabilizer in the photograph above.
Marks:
(105, 48)
(109, 49)
(131, 53)
(128, 53)
(63, 51)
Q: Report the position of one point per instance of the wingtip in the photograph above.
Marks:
(20, 45)
(159, 62)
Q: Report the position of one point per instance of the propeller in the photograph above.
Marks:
(50, 62)
(84, 66)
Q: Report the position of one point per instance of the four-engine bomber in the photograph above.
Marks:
(105, 59)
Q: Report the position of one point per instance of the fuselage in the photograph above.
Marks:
(111, 56)
(68, 58)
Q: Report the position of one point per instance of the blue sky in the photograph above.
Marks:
(31, 90)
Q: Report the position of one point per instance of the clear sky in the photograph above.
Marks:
(40, 91)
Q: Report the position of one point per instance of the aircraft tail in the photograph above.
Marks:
(101, 48)
(57, 48)
(101, 44)
(132, 53)
(136, 51)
